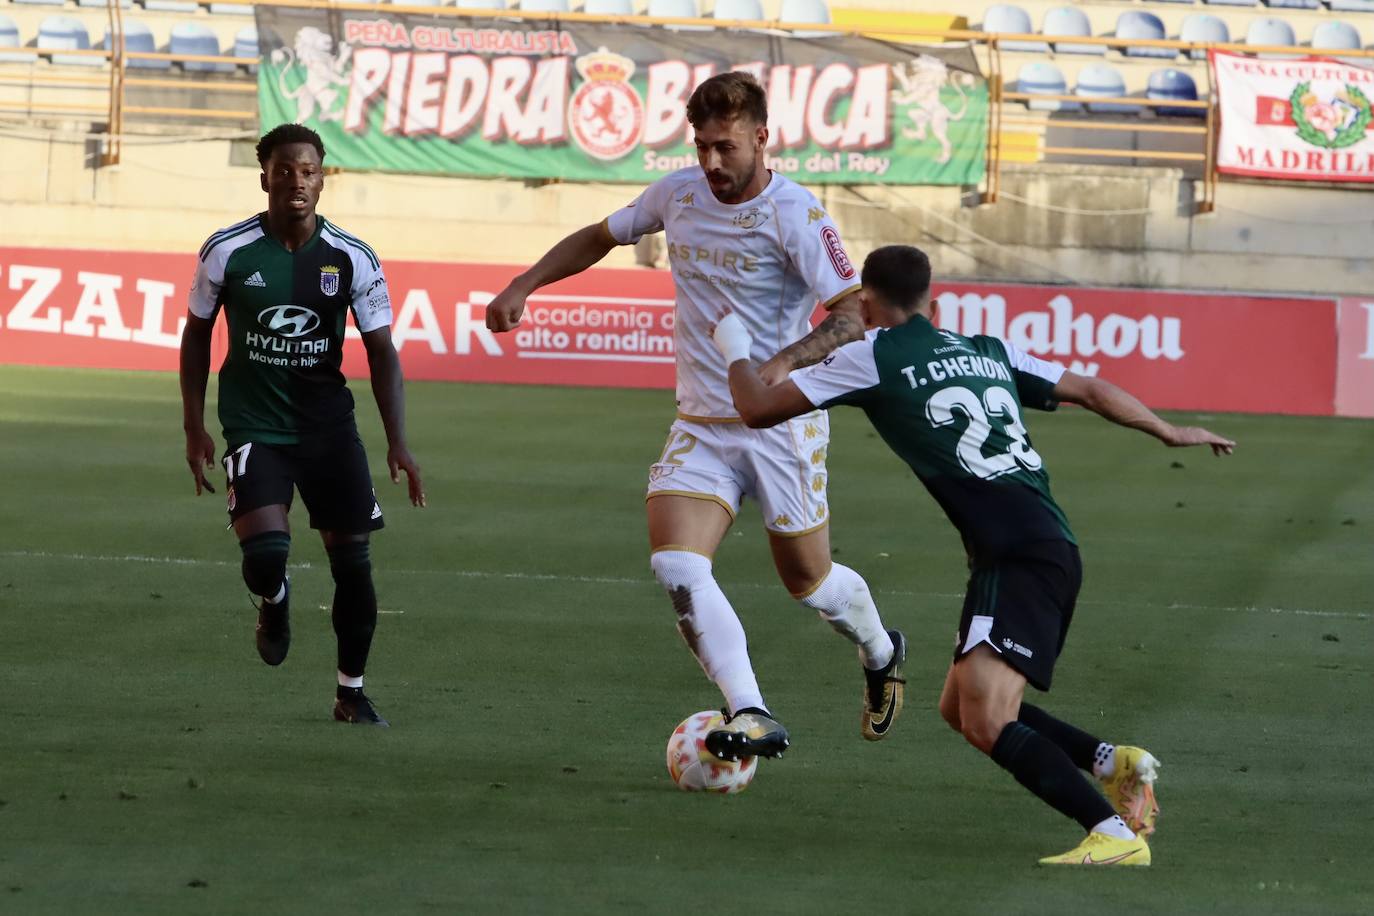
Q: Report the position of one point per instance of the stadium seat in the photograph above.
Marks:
(65, 33)
(1041, 77)
(609, 8)
(1070, 20)
(138, 37)
(246, 45)
(424, 2)
(194, 38)
(544, 6)
(231, 9)
(1138, 25)
(737, 9)
(1334, 35)
(1269, 31)
(481, 4)
(102, 4)
(1294, 4)
(1352, 6)
(170, 6)
(1012, 20)
(43, 2)
(1173, 84)
(677, 9)
(1232, 2)
(9, 38)
(806, 11)
(1204, 27)
(1103, 81)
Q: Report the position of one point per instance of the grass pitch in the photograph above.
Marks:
(531, 670)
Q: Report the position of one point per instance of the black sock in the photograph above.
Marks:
(1043, 768)
(355, 604)
(264, 562)
(1079, 745)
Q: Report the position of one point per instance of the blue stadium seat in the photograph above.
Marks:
(138, 37)
(1204, 27)
(811, 12)
(9, 38)
(677, 9)
(1232, 2)
(1070, 20)
(609, 8)
(170, 6)
(737, 9)
(246, 45)
(1352, 6)
(1270, 31)
(1334, 35)
(1294, 4)
(1012, 20)
(1042, 77)
(1103, 81)
(1176, 1)
(194, 38)
(544, 6)
(67, 33)
(1138, 25)
(1177, 85)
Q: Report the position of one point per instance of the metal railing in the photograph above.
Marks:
(992, 46)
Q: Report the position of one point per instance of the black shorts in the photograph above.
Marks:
(1022, 605)
(330, 471)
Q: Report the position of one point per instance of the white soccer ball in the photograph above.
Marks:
(696, 769)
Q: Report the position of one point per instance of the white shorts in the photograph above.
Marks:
(783, 468)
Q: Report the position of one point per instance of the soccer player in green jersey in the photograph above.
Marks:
(949, 406)
(286, 281)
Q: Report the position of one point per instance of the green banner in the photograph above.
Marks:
(584, 102)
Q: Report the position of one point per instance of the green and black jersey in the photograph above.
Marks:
(286, 313)
(949, 406)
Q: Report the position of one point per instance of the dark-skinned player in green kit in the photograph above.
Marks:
(949, 406)
(286, 281)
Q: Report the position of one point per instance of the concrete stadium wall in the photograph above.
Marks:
(1093, 225)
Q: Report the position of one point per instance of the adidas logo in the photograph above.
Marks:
(255, 280)
(376, 511)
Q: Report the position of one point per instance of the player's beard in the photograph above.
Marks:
(730, 193)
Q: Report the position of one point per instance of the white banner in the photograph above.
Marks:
(1306, 119)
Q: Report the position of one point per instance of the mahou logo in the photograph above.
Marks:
(606, 114)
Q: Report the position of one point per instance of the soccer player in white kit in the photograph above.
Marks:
(741, 240)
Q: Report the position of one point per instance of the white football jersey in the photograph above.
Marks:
(769, 260)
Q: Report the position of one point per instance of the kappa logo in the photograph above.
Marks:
(688, 199)
(814, 215)
(839, 258)
(256, 280)
(289, 320)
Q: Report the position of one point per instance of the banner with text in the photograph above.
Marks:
(597, 102)
(1305, 119)
(605, 327)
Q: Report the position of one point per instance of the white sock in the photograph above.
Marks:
(843, 601)
(709, 625)
(1104, 760)
(1114, 826)
(347, 681)
(277, 598)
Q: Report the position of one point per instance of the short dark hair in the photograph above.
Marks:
(727, 96)
(283, 134)
(899, 274)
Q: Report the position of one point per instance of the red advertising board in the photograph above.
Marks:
(1181, 350)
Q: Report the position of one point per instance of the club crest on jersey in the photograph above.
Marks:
(750, 220)
(329, 280)
(606, 114)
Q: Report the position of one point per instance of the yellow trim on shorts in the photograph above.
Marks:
(838, 296)
(692, 495)
(802, 596)
(797, 534)
(684, 548)
(691, 419)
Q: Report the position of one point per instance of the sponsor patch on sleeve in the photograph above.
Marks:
(839, 259)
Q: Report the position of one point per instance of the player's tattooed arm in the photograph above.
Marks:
(843, 324)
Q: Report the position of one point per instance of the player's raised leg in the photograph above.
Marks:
(265, 541)
(684, 532)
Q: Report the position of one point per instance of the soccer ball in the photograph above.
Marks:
(696, 769)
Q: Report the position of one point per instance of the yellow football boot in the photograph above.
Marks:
(1131, 788)
(1101, 849)
(883, 692)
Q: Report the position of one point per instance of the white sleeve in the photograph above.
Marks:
(849, 371)
(203, 299)
(371, 300)
(814, 247)
(1022, 361)
(644, 215)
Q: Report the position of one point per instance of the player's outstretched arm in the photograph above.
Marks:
(845, 323)
(388, 387)
(195, 373)
(572, 255)
(759, 404)
(1120, 406)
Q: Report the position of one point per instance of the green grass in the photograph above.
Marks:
(532, 671)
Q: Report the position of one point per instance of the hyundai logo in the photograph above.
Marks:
(289, 320)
